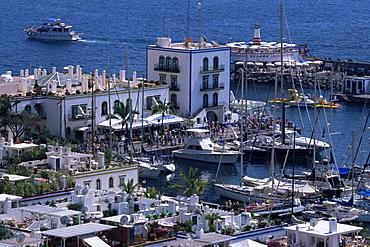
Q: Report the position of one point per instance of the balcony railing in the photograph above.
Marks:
(174, 88)
(78, 117)
(212, 69)
(218, 86)
(164, 69)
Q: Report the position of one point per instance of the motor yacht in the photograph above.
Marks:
(53, 29)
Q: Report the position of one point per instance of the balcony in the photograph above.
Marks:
(219, 86)
(212, 69)
(79, 117)
(164, 69)
(174, 88)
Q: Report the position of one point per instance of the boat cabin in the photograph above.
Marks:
(356, 85)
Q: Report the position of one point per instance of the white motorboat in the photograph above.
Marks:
(202, 148)
(53, 29)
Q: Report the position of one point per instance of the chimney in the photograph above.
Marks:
(332, 225)
(70, 70)
(53, 70)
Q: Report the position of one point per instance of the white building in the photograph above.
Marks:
(320, 233)
(70, 106)
(198, 75)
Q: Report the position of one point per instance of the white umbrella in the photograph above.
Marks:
(259, 64)
(270, 64)
(250, 63)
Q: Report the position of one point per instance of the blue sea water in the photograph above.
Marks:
(337, 29)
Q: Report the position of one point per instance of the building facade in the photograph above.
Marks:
(198, 75)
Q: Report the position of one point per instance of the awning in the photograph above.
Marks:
(116, 124)
(156, 119)
(94, 241)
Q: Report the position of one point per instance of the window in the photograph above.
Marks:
(27, 108)
(175, 63)
(111, 182)
(78, 111)
(122, 179)
(205, 101)
(215, 99)
(205, 82)
(104, 108)
(205, 64)
(115, 106)
(87, 183)
(174, 100)
(150, 100)
(162, 77)
(161, 62)
(215, 81)
(39, 109)
(168, 63)
(215, 63)
(98, 184)
(173, 82)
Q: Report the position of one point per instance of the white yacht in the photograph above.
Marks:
(53, 29)
(202, 148)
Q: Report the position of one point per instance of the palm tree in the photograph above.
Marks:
(161, 107)
(129, 187)
(193, 182)
(151, 193)
(124, 113)
(5, 112)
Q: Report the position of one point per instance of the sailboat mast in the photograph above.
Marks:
(109, 109)
(129, 99)
(242, 130)
(282, 125)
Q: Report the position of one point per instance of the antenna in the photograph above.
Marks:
(65, 220)
(84, 210)
(200, 21)
(188, 21)
(20, 238)
(124, 220)
(84, 191)
(162, 22)
(313, 222)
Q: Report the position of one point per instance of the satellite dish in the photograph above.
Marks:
(84, 191)
(194, 228)
(313, 222)
(20, 238)
(124, 220)
(84, 210)
(65, 220)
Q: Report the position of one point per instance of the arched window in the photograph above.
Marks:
(161, 62)
(215, 99)
(205, 101)
(104, 108)
(205, 64)
(174, 100)
(115, 106)
(215, 63)
(168, 63)
(98, 184)
(39, 109)
(175, 64)
(27, 108)
(205, 82)
(111, 182)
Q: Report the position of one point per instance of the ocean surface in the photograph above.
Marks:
(337, 29)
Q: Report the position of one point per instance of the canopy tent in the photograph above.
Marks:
(59, 77)
(116, 124)
(78, 230)
(156, 119)
(94, 241)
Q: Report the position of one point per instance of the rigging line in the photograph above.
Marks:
(362, 135)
